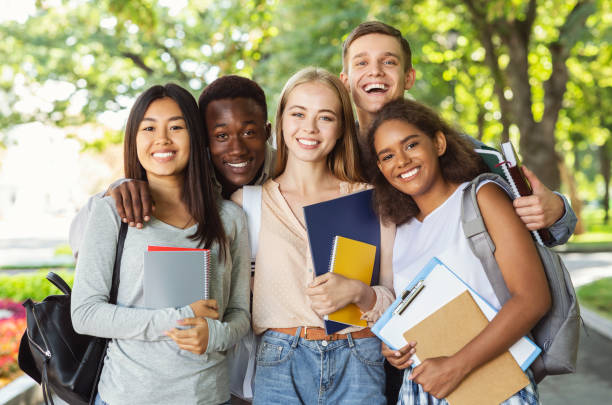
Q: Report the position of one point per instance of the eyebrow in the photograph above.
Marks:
(403, 141)
(177, 117)
(319, 111)
(361, 54)
(245, 122)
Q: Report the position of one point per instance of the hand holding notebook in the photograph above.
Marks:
(355, 260)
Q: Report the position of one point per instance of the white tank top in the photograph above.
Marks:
(440, 235)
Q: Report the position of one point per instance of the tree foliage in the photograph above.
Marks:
(537, 72)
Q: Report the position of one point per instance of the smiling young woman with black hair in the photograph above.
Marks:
(149, 360)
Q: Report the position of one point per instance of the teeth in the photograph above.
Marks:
(163, 154)
(376, 86)
(238, 165)
(410, 173)
(307, 142)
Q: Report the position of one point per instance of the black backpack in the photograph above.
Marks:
(52, 353)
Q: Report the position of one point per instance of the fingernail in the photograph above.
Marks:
(131, 224)
(397, 354)
(146, 218)
(124, 220)
(139, 225)
(412, 351)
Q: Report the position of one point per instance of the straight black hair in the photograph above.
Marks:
(198, 192)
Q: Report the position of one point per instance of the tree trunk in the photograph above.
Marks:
(538, 151)
(604, 156)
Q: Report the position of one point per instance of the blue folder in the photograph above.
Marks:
(351, 216)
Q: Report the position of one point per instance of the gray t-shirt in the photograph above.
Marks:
(143, 366)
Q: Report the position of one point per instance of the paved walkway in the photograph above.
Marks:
(592, 382)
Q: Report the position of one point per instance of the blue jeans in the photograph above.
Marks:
(294, 370)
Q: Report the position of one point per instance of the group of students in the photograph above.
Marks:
(190, 158)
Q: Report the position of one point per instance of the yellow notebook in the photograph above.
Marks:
(352, 259)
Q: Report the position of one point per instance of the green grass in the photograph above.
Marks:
(63, 249)
(597, 296)
(597, 238)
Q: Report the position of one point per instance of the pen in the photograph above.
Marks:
(408, 296)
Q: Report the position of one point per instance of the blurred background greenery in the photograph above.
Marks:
(536, 72)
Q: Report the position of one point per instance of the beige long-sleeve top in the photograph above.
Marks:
(284, 268)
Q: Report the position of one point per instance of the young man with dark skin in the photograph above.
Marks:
(377, 69)
(234, 111)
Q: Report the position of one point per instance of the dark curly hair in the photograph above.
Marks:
(230, 87)
(458, 164)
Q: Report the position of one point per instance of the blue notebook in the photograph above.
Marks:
(351, 216)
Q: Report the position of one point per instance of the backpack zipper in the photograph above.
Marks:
(46, 352)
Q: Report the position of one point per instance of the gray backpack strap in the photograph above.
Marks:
(558, 332)
(251, 203)
(478, 237)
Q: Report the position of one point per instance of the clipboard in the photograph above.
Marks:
(439, 285)
(448, 330)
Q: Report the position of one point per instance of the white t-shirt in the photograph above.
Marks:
(440, 235)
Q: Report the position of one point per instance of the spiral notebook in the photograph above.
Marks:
(175, 277)
(355, 260)
(507, 165)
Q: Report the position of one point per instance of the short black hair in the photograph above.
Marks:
(232, 86)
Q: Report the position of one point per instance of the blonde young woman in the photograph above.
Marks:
(297, 362)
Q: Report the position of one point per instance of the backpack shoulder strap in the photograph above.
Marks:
(251, 203)
(478, 237)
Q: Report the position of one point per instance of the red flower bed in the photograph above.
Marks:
(12, 326)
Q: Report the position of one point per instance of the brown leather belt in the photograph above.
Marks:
(314, 333)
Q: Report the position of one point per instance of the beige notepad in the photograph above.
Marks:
(448, 330)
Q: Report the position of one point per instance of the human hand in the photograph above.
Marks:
(205, 308)
(133, 202)
(330, 292)
(541, 209)
(439, 376)
(194, 339)
(402, 358)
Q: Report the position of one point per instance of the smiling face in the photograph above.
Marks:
(408, 158)
(375, 72)
(237, 134)
(311, 122)
(162, 140)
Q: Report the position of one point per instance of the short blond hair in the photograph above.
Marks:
(343, 160)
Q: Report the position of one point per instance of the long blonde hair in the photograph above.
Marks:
(343, 160)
